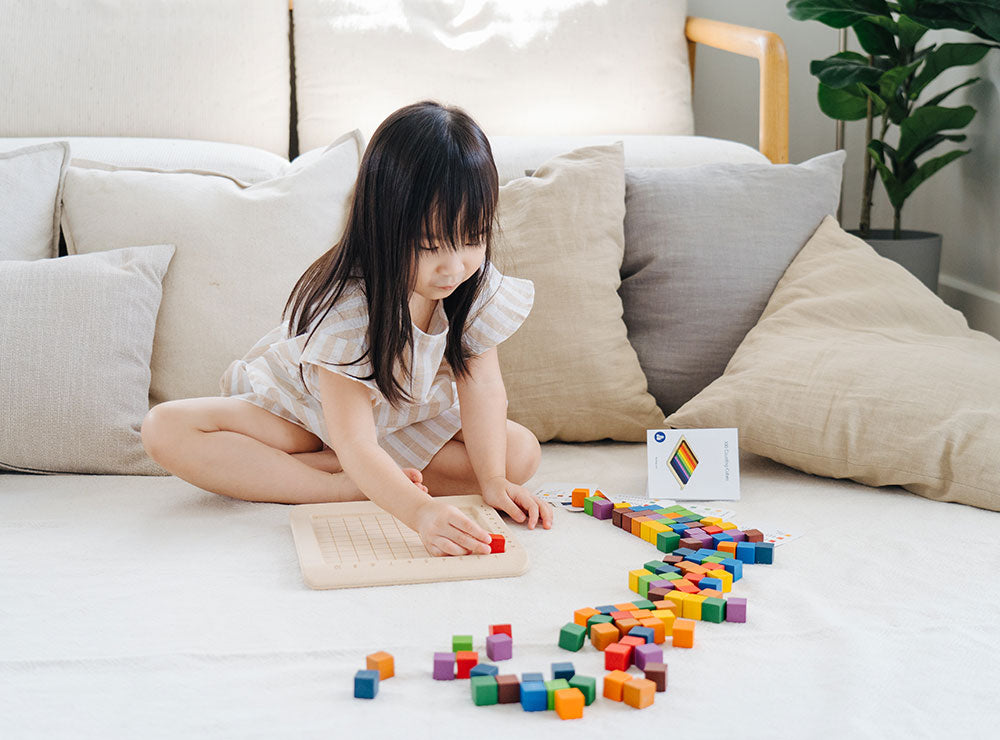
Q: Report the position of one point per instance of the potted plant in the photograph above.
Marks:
(887, 88)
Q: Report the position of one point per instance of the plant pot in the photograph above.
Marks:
(917, 251)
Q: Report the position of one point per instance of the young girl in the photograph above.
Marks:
(382, 381)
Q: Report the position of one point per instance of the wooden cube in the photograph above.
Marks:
(465, 659)
(683, 633)
(639, 692)
(497, 543)
(603, 634)
(614, 684)
(569, 703)
(618, 657)
(508, 689)
(383, 663)
(657, 673)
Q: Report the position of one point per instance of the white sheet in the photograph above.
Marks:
(143, 607)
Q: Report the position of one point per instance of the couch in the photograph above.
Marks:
(133, 604)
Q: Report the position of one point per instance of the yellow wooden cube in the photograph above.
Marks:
(622, 505)
(725, 576)
(678, 598)
(692, 606)
(655, 528)
(709, 520)
(633, 578)
(667, 616)
(726, 525)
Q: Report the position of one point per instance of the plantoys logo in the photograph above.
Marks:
(659, 436)
(683, 462)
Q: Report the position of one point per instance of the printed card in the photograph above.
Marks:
(693, 464)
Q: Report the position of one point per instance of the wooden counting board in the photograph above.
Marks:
(359, 544)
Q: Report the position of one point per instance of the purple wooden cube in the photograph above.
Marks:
(602, 509)
(695, 532)
(648, 653)
(736, 609)
(444, 666)
(499, 646)
(736, 534)
(669, 585)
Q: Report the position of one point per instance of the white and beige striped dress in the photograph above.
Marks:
(268, 376)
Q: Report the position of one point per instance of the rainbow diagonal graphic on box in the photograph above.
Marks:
(683, 462)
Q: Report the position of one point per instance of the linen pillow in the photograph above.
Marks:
(856, 370)
(704, 248)
(31, 183)
(75, 337)
(570, 371)
(240, 249)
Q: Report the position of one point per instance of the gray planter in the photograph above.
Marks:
(917, 251)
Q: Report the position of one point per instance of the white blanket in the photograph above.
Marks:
(144, 607)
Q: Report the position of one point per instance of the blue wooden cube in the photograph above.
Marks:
(532, 678)
(534, 696)
(734, 566)
(646, 633)
(563, 670)
(483, 669)
(764, 552)
(365, 684)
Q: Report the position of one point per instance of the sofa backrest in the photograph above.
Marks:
(217, 70)
(519, 67)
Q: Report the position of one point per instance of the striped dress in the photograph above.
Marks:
(268, 376)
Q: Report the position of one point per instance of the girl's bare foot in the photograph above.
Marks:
(417, 477)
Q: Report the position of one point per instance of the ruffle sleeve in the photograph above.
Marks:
(499, 311)
(340, 338)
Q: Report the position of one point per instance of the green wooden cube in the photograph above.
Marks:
(461, 642)
(484, 690)
(595, 619)
(587, 686)
(667, 541)
(713, 609)
(653, 566)
(713, 559)
(588, 504)
(552, 686)
(572, 636)
(642, 603)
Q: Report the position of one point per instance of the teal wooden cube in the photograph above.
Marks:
(572, 636)
(587, 686)
(484, 690)
(713, 609)
(667, 541)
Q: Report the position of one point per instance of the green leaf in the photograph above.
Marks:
(843, 104)
(944, 57)
(875, 39)
(893, 187)
(843, 69)
(983, 15)
(938, 98)
(892, 89)
(910, 32)
(933, 141)
(927, 121)
(836, 13)
(927, 169)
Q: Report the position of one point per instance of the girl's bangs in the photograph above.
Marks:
(462, 210)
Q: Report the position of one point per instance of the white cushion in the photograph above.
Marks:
(616, 67)
(75, 338)
(240, 250)
(31, 182)
(214, 70)
(245, 163)
(516, 154)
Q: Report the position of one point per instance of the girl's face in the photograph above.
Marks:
(441, 269)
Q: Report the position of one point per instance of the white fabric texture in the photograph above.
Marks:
(173, 68)
(412, 433)
(240, 250)
(31, 183)
(594, 68)
(516, 154)
(245, 163)
(147, 608)
(76, 334)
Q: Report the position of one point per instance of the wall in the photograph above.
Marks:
(961, 201)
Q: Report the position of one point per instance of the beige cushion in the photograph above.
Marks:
(856, 370)
(75, 338)
(240, 249)
(570, 371)
(186, 70)
(541, 67)
(31, 183)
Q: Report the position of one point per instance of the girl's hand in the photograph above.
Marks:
(445, 530)
(519, 503)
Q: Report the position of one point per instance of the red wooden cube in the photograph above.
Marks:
(618, 657)
(497, 543)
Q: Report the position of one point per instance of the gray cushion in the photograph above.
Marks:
(704, 248)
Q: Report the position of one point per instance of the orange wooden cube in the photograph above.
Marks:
(684, 586)
(658, 627)
(466, 659)
(683, 633)
(383, 663)
(598, 492)
(569, 703)
(727, 546)
(578, 495)
(639, 692)
(637, 525)
(625, 625)
(707, 592)
(640, 614)
(665, 604)
(580, 616)
(603, 634)
(626, 607)
(614, 684)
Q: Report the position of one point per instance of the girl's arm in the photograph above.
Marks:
(483, 402)
(347, 408)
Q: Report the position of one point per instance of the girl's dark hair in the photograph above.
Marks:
(428, 172)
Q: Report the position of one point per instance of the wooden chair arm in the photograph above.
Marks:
(769, 50)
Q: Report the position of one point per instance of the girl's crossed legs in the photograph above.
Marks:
(232, 447)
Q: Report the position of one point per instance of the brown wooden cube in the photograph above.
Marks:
(508, 689)
(657, 673)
